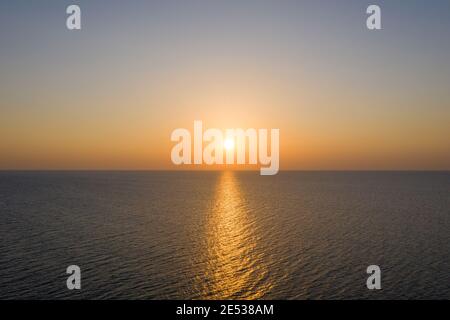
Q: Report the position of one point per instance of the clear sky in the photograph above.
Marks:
(108, 96)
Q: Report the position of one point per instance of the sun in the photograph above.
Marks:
(228, 144)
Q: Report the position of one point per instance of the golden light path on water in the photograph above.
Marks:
(236, 266)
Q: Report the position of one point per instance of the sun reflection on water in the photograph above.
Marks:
(235, 264)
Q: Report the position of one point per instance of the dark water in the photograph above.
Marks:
(173, 235)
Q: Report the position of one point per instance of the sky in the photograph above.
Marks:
(109, 95)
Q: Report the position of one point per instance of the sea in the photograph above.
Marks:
(224, 234)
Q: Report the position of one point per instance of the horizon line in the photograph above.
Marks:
(218, 170)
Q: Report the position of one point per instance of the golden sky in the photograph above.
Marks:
(109, 96)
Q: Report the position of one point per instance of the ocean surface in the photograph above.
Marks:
(224, 235)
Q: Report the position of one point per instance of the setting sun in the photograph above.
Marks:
(228, 144)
